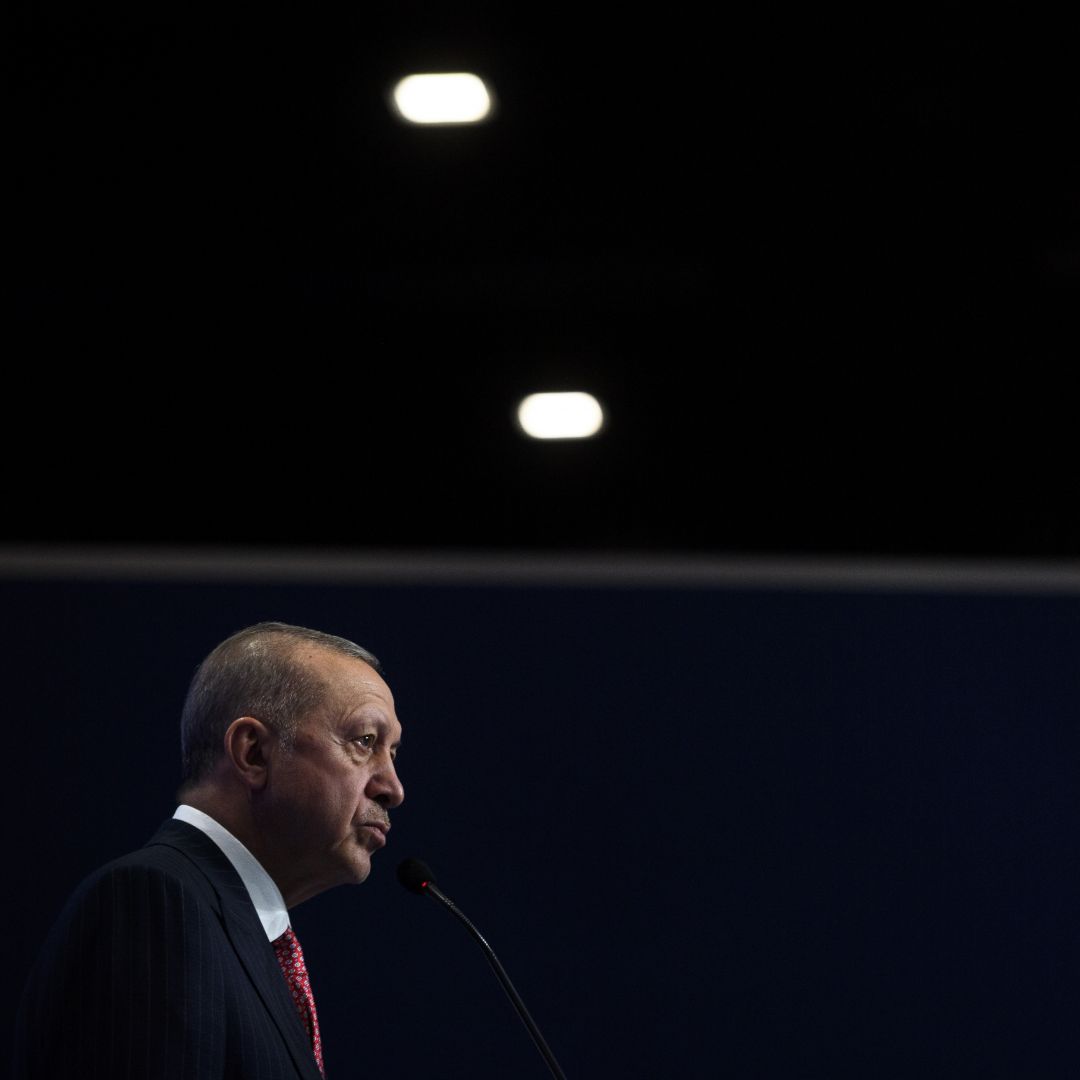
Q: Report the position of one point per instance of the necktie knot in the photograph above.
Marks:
(291, 960)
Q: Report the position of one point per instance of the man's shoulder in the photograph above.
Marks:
(178, 860)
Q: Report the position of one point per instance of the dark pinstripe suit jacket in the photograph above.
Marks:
(159, 969)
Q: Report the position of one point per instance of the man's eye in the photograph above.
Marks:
(367, 741)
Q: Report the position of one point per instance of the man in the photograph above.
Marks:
(177, 960)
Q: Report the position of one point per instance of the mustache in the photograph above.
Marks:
(382, 819)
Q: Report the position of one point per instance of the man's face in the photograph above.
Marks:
(328, 797)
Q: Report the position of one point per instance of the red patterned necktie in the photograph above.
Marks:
(291, 958)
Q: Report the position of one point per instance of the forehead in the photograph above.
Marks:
(355, 686)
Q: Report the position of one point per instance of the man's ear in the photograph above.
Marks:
(247, 749)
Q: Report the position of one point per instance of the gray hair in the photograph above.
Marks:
(254, 672)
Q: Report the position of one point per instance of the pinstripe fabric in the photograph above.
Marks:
(159, 969)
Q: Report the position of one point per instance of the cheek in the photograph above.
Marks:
(347, 794)
(327, 799)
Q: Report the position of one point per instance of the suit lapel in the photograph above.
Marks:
(246, 934)
(257, 955)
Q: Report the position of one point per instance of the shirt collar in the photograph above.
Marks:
(265, 895)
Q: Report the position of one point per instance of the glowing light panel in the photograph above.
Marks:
(572, 415)
(454, 97)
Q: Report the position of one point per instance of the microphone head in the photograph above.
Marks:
(415, 875)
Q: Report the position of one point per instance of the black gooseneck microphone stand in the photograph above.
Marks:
(416, 877)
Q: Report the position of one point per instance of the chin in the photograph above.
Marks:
(361, 868)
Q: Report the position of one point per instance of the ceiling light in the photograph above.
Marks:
(573, 415)
(455, 97)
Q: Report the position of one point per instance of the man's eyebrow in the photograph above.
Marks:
(383, 722)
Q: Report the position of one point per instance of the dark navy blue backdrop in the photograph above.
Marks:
(710, 832)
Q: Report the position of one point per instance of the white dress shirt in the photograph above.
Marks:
(265, 895)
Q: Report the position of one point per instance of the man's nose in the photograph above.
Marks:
(385, 787)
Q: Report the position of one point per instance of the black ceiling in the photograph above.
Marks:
(822, 271)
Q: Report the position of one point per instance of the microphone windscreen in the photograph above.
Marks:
(415, 875)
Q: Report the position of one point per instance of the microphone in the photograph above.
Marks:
(417, 877)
